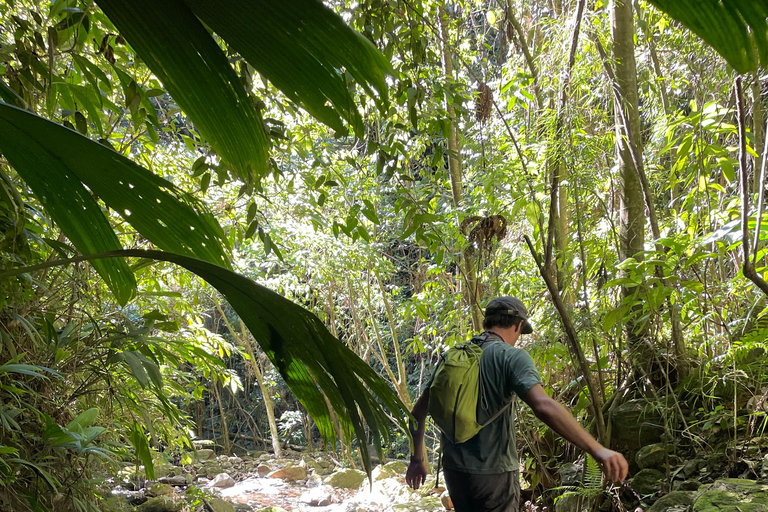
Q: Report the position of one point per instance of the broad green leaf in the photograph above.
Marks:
(303, 48)
(734, 28)
(56, 162)
(183, 55)
(137, 369)
(139, 443)
(297, 342)
(27, 369)
(64, 197)
(84, 419)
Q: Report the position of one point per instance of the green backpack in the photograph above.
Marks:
(455, 391)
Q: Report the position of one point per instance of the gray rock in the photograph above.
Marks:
(675, 501)
(317, 496)
(161, 504)
(764, 468)
(647, 481)
(651, 456)
(176, 481)
(272, 509)
(692, 467)
(222, 480)
(347, 479)
(570, 474)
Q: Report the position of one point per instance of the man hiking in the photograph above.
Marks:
(482, 473)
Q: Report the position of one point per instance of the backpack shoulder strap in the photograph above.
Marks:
(500, 411)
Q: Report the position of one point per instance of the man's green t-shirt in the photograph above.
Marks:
(506, 373)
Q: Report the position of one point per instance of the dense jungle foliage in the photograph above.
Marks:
(254, 226)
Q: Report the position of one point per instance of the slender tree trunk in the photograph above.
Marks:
(269, 405)
(473, 295)
(558, 211)
(518, 35)
(243, 339)
(758, 127)
(748, 267)
(223, 416)
(632, 229)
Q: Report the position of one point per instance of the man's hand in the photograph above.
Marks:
(416, 474)
(613, 465)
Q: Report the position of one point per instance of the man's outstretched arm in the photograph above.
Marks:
(418, 468)
(559, 419)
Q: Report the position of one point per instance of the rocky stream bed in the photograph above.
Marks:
(302, 482)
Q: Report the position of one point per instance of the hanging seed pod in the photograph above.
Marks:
(484, 102)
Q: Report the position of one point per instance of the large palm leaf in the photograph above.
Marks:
(302, 47)
(58, 164)
(308, 357)
(737, 29)
(182, 54)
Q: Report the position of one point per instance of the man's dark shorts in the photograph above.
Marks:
(483, 493)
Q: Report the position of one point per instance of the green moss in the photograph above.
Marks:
(677, 500)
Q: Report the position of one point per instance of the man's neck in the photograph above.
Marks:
(508, 335)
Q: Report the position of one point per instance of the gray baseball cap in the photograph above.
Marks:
(511, 306)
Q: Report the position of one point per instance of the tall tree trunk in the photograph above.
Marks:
(269, 405)
(758, 127)
(472, 295)
(223, 416)
(243, 339)
(632, 229)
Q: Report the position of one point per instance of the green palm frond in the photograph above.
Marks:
(182, 54)
(58, 164)
(737, 29)
(302, 47)
(310, 359)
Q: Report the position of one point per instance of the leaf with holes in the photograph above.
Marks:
(56, 162)
(182, 54)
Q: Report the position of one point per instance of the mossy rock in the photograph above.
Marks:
(647, 481)
(389, 470)
(220, 505)
(733, 495)
(677, 501)
(115, 503)
(161, 504)
(157, 489)
(569, 502)
(346, 479)
(651, 456)
(631, 414)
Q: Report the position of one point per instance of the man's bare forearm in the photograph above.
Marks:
(418, 425)
(559, 419)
